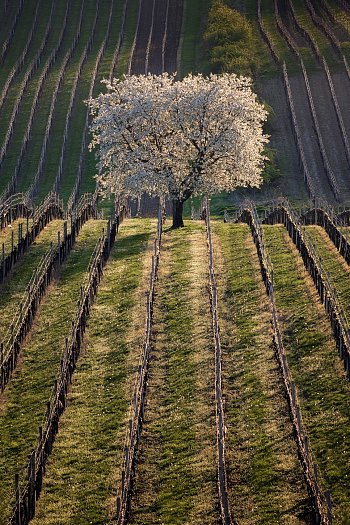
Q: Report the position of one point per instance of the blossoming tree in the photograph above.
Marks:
(175, 139)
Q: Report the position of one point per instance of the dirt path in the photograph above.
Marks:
(309, 138)
(292, 183)
(342, 88)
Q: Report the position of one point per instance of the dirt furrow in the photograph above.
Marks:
(341, 84)
(273, 92)
(309, 137)
(331, 132)
(155, 59)
(138, 64)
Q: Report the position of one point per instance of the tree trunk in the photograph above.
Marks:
(178, 206)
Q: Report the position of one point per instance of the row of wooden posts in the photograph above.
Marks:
(23, 87)
(20, 61)
(136, 412)
(41, 278)
(27, 491)
(321, 500)
(6, 44)
(51, 208)
(313, 263)
(71, 99)
(225, 512)
(14, 207)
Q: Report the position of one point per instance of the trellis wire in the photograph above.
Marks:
(225, 513)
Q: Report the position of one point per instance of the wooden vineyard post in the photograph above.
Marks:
(58, 246)
(3, 263)
(329, 506)
(18, 503)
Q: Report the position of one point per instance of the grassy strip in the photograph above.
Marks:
(80, 480)
(176, 477)
(26, 102)
(12, 290)
(334, 263)
(6, 234)
(63, 100)
(32, 156)
(280, 45)
(324, 393)
(265, 476)
(22, 406)
(194, 55)
(129, 34)
(79, 112)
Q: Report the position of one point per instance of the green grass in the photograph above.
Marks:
(265, 476)
(279, 44)
(129, 34)
(324, 45)
(79, 111)
(6, 235)
(334, 263)
(87, 448)
(194, 53)
(27, 100)
(23, 406)
(12, 290)
(63, 99)
(170, 484)
(324, 392)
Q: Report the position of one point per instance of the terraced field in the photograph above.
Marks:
(151, 375)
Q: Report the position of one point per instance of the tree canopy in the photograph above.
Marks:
(174, 139)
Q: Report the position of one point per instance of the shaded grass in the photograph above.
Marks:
(73, 149)
(194, 52)
(169, 485)
(265, 478)
(129, 34)
(27, 101)
(87, 448)
(23, 405)
(316, 368)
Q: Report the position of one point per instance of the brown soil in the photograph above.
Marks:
(330, 131)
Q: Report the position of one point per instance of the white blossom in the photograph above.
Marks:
(175, 138)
